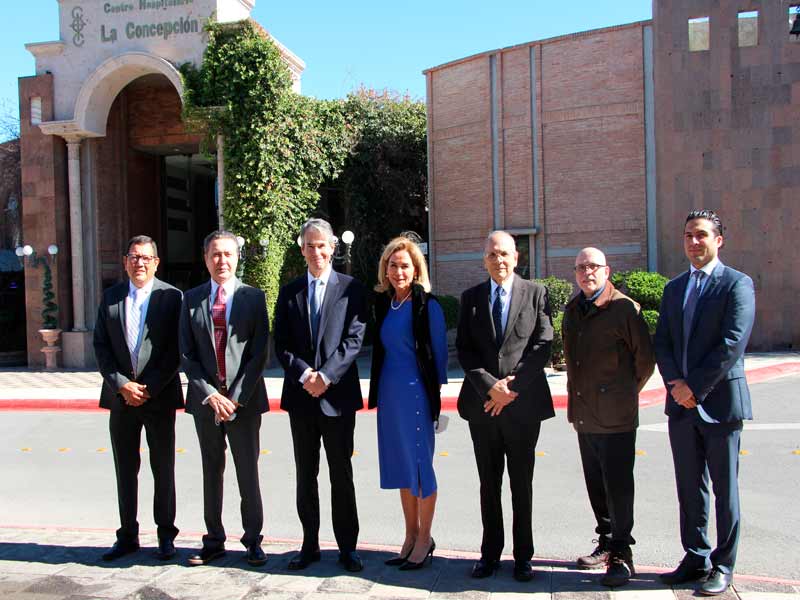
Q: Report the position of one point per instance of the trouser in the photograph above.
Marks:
(496, 443)
(337, 436)
(242, 435)
(700, 450)
(125, 427)
(607, 460)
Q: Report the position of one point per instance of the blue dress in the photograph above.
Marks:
(405, 428)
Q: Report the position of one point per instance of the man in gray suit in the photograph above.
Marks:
(136, 346)
(223, 339)
(503, 343)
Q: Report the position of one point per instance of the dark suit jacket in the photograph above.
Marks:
(245, 351)
(341, 332)
(159, 358)
(721, 327)
(523, 353)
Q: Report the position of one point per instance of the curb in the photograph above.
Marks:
(329, 545)
(647, 398)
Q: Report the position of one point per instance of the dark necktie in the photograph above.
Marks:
(695, 285)
(497, 316)
(313, 311)
(220, 332)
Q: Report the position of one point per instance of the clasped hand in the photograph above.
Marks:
(134, 394)
(682, 393)
(223, 407)
(500, 396)
(314, 384)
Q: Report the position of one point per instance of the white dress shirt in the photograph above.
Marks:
(319, 290)
(708, 269)
(505, 300)
(144, 302)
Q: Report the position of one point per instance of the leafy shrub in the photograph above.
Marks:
(449, 306)
(559, 291)
(557, 349)
(618, 278)
(646, 288)
(651, 318)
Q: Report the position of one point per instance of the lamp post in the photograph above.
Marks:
(49, 330)
(343, 254)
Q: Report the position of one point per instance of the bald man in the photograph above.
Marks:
(609, 359)
(503, 342)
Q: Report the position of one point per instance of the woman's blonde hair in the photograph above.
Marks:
(417, 259)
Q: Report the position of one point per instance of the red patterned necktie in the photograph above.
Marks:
(220, 331)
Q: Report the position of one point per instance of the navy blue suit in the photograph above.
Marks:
(720, 329)
(341, 332)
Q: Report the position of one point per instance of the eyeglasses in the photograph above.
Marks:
(143, 258)
(588, 267)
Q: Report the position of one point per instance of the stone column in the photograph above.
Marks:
(76, 232)
(220, 178)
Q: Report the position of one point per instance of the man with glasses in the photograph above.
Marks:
(136, 347)
(503, 342)
(705, 322)
(609, 359)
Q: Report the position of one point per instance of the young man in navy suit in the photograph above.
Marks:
(705, 322)
(319, 328)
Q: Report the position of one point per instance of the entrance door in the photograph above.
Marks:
(189, 212)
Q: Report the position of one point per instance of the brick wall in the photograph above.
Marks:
(45, 210)
(727, 138)
(589, 129)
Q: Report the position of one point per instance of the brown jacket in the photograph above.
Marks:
(609, 358)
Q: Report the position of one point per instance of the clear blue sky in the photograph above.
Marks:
(353, 42)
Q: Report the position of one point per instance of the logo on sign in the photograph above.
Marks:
(77, 26)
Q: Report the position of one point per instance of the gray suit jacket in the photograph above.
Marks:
(523, 353)
(159, 358)
(245, 351)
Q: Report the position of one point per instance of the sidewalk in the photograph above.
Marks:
(64, 564)
(24, 389)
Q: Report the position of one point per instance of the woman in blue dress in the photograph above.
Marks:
(409, 366)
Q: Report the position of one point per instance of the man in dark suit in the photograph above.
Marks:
(223, 337)
(503, 342)
(319, 328)
(136, 346)
(705, 322)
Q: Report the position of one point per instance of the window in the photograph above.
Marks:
(748, 28)
(699, 30)
(523, 268)
(794, 23)
(36, 110)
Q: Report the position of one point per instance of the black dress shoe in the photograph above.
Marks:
(398, 560)
(351, 561)
(118, 550)
(206, 555)
(485, 568)
(716, 583)
(413, 566)
(683, 574)
(166, 550)
(302, 559)
(255, 556)
(523, 571)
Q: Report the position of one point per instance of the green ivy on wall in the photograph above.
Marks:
(279, 145)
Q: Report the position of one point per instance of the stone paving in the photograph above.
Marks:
(50, 564)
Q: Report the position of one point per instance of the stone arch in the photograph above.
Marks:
(108, 80)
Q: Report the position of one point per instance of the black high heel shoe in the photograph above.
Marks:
(398, 560)
(413, 566)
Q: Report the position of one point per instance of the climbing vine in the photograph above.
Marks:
(279, 146)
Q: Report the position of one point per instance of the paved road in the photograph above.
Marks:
(58, 473)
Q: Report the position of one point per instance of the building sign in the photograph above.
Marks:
(141, 19)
